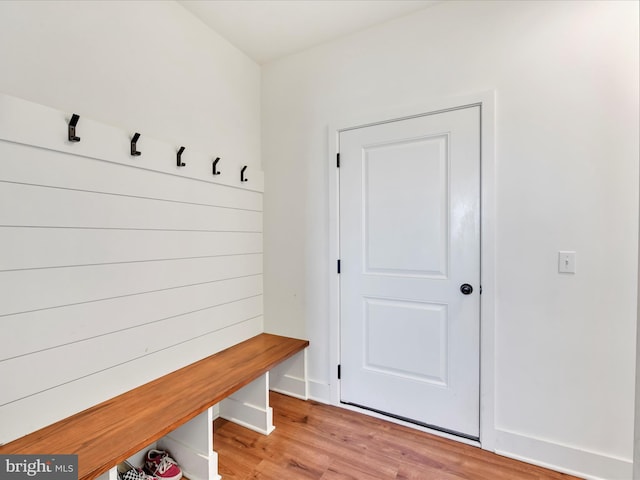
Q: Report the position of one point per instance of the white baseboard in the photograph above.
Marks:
(574, 461)
(320, 392)
(291, 386)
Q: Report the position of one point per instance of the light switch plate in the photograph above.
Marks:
(566, 262)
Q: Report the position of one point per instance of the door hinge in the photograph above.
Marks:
(338, 160)
(480, 289)
(338, 266)
(339, 372)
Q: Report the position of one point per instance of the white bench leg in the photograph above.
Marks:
(192, 447)
(249, 406)
(290, 377)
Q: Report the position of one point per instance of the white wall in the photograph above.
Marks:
(148, 66)
(117, 269)
(566, 81)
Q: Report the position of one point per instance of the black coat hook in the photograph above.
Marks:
(134, 152)
(179, 160)
(242, 177)
(215, 166)
(72, 128)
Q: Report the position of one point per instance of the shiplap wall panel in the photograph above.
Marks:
(29, 290)
(28, 205)
(49, 368)
(37, 411)
(114, 269)
(36, 247)
(39, 166)
(92, 319)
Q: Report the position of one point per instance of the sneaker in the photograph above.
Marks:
(162, 466)
(126, 471)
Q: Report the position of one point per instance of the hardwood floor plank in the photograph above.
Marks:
(361, 469)
(322, 442)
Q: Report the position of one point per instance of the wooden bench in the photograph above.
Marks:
(175, 410)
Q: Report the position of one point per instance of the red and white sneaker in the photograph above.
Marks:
(162, 466)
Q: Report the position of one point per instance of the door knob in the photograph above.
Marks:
(466, 289)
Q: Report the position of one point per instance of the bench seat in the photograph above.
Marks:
(110, 432)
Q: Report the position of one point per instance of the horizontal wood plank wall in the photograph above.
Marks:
(114, 269)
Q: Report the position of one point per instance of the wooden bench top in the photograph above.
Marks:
(106, 434)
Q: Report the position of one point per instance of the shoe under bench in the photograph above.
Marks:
(176, 411)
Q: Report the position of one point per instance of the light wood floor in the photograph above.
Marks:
(316, 441)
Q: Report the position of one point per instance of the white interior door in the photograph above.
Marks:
(409, 241)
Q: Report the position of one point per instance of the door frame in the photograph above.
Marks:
(486, 102)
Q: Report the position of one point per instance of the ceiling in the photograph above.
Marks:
(270, 29)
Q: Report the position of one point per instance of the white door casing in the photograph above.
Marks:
(409, 238)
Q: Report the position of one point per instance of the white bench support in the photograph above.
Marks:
(290, 377)
(192, 443)
(249, 406)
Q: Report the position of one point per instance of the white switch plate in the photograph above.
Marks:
(567, 262)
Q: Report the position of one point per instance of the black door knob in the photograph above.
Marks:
(466, 289)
